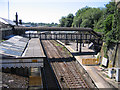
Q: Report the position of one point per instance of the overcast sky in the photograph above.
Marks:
(46, 11)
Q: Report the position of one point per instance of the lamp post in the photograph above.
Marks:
(8, 10)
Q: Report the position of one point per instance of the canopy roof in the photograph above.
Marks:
(6, 21)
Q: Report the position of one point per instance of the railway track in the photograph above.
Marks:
(67, 73)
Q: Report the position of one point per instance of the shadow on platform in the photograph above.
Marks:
(83, 53)
(68, 59)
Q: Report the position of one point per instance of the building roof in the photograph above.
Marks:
(2, 25)
(12, 54)
(6, 21)
(13, 47)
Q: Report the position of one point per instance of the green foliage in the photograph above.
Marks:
(77, 21)
(66, 21)
(87, 23)
(2, 40)
(110, 7)
(111, 28)
(78, 18)
(87, 17)
(105, 48)
(108, 23)
(69, 20)
(80, 11)
(99, 25)
(118, 23)
(105, 20)
(62, 21)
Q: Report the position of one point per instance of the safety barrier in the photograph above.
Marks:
(90, 61)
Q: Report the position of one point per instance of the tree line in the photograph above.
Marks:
(32, 24)
(86, 17)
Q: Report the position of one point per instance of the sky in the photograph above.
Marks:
(45, 11)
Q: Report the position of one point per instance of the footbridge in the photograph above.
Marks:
(66, 29)
(80, 35)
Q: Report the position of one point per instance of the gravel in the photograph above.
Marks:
(14, 81)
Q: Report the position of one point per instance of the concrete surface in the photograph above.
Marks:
(93, 71)
(34, 49)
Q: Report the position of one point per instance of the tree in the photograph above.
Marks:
(87, 23)
(80, 11)
(116, 23)
(69, 20)
(78, 18)
(77, 21)
(62, 22)
(110, 7)
(92, 16)
(88, 17)
(99, 24)
(118, 20)
(66, 21)
(112, 25)
(108, 24)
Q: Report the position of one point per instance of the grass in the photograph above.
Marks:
(2, 40)
(107, 76)
(63, 48)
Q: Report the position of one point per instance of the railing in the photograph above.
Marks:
(62, 36)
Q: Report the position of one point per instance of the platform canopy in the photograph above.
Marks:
(13, 47)
(14, 52)
(6, 21)
(21, 62)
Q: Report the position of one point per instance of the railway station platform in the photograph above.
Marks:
(34, 52)
(19, 52)
(93, 71)
(34, 49)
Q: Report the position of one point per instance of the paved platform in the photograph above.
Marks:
(33, 55)
(34, 49)
(99, 81)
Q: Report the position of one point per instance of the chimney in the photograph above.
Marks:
(20, 21)
(16, 16)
